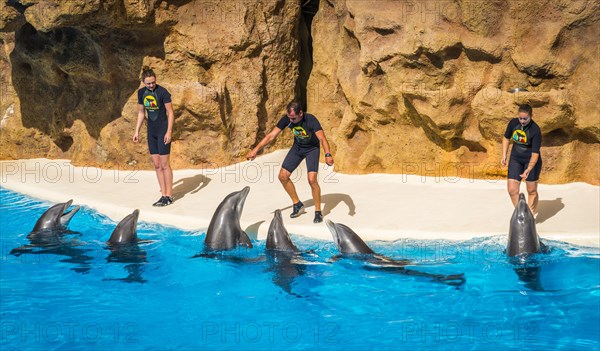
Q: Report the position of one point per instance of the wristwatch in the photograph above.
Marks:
(328, 155)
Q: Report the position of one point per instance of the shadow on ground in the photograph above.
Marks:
(329, 202)
(189, 185)
(548, 209)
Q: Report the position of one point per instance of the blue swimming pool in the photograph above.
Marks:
(80, 295)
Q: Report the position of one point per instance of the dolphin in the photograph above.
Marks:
(523, 238)
(124, 248)
(278, 237)
(351, 245)
(50, 236)
(126, 230)
(56, 217)
(346, 240)
(224, 231)
(284, 258)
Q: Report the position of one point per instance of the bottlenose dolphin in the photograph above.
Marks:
(284, 258)
(126, 230)
(124, 248)
(278, 237)
(50, 236)
(224, 231)
(523, 238)
(351, 245)
(56, 217)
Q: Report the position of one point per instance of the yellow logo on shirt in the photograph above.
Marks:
(519, 136)
(300, 133)
(150, 102)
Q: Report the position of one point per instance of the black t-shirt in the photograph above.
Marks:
(527, 139)
(154, 102)
(304, 131)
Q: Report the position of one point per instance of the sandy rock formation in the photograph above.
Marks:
(400, 87)
(74, 71)
(423, 87)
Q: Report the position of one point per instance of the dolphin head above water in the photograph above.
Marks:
(56, 217)
(278, 237)
(522, 236)
(126, 230)
(224, 231)
(346, 240)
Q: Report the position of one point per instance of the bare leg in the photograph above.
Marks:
(159, 172)
(513, 191)
(316, 189)
(288, 185)
(167, 172)
(532, 196)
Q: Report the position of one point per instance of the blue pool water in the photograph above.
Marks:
(79, 295)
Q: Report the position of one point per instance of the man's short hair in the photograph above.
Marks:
(294, 106)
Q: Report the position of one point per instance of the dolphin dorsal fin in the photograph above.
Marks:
(244, 240)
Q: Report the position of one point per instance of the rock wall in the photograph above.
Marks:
(400, 87)
(422, 87)
(74, 66)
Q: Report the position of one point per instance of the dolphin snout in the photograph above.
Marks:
(66, 216)
(243, 194)
(331, 226)
(136, 215)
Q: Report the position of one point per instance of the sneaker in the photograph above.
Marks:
(318, 217)
(159, 202)
(297, 208)
(164, 201)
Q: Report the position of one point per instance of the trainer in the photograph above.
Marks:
(525, 162)
(308, 137)
(156, 102)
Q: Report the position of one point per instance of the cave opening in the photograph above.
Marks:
(309, 9)
(77, 73)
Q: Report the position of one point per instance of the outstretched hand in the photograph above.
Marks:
(251, 155)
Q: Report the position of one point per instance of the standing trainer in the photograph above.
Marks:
(525, 162)
(308, 136)
(156, 101)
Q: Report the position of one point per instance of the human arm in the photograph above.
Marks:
(323, 139)
(170, 121)
(264, 142)
(138, 125)
(505, 143)
(506, 139)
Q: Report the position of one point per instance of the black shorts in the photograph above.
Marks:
(156, 137)
(517, 167)
(295, 156)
